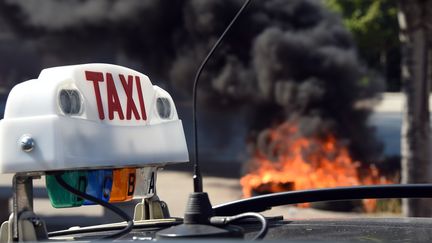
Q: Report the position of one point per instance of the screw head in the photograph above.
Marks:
(36, 222)
(27, 143)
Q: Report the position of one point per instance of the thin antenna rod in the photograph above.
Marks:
(197, 178)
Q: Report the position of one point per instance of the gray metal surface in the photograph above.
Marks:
(22, 199)
(363, 229)
(322, 230)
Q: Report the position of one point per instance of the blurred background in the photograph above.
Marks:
(301, 94)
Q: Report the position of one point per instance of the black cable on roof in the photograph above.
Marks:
(107, 205)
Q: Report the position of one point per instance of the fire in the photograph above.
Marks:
(292, 162)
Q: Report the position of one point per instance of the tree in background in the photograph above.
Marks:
(375, 28)
(416, 31)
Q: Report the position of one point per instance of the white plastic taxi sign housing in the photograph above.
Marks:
(89, 116)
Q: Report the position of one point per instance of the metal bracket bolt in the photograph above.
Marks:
(27, 143)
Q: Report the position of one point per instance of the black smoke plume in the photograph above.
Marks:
(284, 60)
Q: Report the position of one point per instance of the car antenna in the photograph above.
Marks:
(199, 209)
(197, 177)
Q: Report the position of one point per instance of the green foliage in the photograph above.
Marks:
(375, 28)
(373, 22)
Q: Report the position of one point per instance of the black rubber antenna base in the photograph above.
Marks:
(197, 222)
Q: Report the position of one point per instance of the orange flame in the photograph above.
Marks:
(306, 163)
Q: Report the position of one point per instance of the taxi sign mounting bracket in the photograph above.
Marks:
(151, 208)
(24, 224)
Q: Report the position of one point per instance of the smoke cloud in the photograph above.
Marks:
(283, 60)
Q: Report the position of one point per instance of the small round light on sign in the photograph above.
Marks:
(163, 106)
(70, 101)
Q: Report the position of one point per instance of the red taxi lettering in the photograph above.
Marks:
(130, 105)
(96, 77)
(141, 98)
(114, 104)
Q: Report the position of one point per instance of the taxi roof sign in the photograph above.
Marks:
(89, 116)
